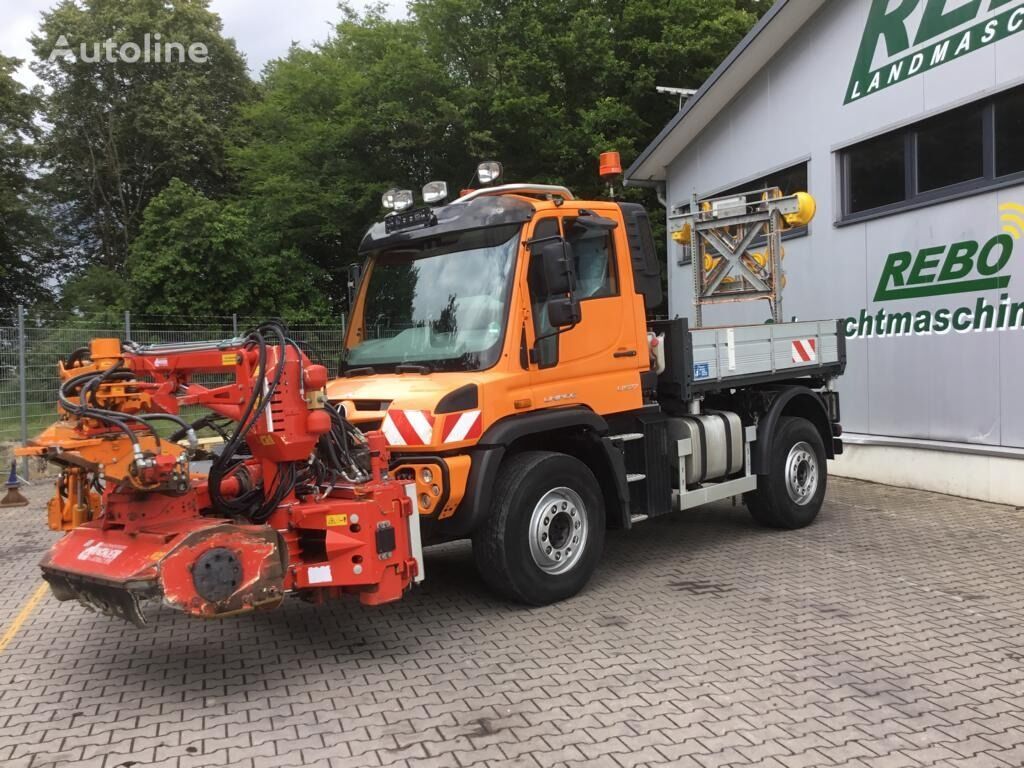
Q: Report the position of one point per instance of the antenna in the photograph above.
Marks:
(682, 93)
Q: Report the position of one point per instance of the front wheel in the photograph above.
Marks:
(791, 493)
(544, 536)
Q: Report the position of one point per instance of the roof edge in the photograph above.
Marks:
(707, 85)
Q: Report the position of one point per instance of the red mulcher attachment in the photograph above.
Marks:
(298, 501)
(203, 567)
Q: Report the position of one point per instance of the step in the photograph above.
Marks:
(634, 519)
(627, 436)
(632, 478)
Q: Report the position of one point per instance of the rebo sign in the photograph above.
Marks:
(913, 36)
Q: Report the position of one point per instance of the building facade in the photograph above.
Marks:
(905, 120)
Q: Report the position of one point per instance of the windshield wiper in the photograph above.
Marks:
(364, 371)
(412, 368)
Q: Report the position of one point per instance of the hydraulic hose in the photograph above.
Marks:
(222, 464)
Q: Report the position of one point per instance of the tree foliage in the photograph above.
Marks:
(549, 84)
(120, 131)
(200, 256)
(337, 126)
(25, 253)
(542, 85)
(185, 188)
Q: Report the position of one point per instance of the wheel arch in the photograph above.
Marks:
(792, 401)
(576, 431)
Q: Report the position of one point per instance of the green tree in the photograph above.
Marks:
(336, 126)
(197, 256)
(552, 83)
(25, 254)
(121, 131)
(542, 85)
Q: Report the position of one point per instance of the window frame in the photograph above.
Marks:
(914, 199)
(613, 266)
(548, 355)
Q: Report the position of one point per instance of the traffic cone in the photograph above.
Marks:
(13, 497)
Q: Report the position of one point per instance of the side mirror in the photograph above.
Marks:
(563, 311)
(557, 267)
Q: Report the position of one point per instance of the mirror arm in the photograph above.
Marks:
(538, 339)
(536, 240)
(556, 332)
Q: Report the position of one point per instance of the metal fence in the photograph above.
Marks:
(32, 343)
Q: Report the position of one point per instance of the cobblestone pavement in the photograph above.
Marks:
(886, 634)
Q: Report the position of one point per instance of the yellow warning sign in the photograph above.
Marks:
(333, 520)
(228, 358)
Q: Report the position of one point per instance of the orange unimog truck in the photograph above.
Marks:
(505, 344)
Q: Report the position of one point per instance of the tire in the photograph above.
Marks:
(791, 494)
(512, 548)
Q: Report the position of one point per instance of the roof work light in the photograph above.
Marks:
(397, 199)
(435, 192)
(488, 172)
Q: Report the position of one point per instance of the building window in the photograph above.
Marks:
(876, 172)
(949, 149)
(789, 180)
(962, 151)
(1009, 128)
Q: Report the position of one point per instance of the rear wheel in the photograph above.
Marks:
(544, 536)
(791, 493)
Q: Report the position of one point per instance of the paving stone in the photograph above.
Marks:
(887, 634)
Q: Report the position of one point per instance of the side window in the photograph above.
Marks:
(595, 262)
(547, 348)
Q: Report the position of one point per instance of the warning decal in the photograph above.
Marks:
(805, 350)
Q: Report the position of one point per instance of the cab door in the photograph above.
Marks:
(596, 362)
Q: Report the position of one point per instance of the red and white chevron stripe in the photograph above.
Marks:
(461, 426)
(805, 350)
(408, 427)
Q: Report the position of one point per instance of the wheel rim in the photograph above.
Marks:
(801, 473)
(558, 531)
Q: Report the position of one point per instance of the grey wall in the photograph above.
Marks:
(957, 387)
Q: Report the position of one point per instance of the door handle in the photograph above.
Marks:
(624, 353)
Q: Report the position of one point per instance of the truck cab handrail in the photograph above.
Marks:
(541, 190)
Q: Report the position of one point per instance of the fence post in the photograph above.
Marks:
(234, 323)
(22, 387)
(127, 325)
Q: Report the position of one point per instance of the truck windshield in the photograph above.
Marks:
(439, 303)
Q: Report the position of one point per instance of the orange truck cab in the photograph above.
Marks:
(504, 343)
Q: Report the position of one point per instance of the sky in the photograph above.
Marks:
(263, 29)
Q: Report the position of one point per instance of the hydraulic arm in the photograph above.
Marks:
(294, 500)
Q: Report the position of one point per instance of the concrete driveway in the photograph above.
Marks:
(889, 633)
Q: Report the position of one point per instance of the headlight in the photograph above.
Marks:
(427, 475)
(435, 192)
(488, 172)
